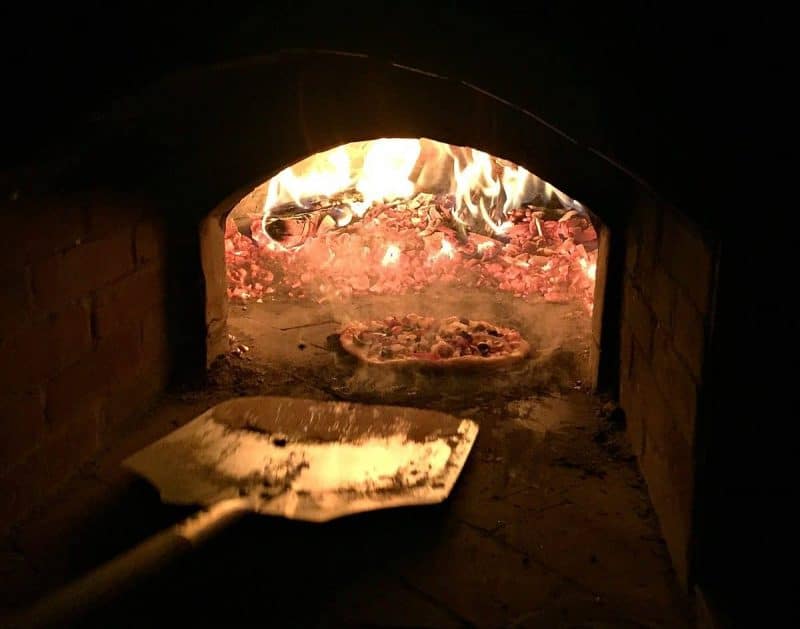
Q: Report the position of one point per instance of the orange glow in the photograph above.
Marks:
(391, 256)
(447, 251)
(485, 189)
(387, 166)
(323, 174)
(428, 212)
(589, 268)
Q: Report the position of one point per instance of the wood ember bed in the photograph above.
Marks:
(406, 246)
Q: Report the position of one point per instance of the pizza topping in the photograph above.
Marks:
(442, 349)
(414, 337)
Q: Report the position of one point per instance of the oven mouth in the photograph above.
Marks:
(372, 233)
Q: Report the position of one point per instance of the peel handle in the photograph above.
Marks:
(112, 578)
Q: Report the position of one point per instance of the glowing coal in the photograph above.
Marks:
(398, 216)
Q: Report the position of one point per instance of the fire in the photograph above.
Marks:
(391, 256)
(427, 211)
(324, 174)
(480, 179)
(589, 268)
(387, 166)
(514, 182)
(485, 190)
(447, 251)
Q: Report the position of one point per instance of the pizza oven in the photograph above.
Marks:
(220, 231)
(363, 210)
(382, 229)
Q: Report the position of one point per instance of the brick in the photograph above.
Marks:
(107, 214)
(662, 293)
(688, 259)
(155, 337)
(60, 279)
(16, 299)
(21, 425)
(38, 350)
(646, 402)
(70, 334)
(132, 397)
(75, 392)
(656, 412)
(130, 400)
(646, 228)
(634, 419)
(58, 457)
(632, 249)
(626, 351)
(675, 383)
(665, 455)
(690, 335)
(668, 467)
(36, 228)
(127, 300)
(638, 316)
(113, 363)
(150, 242)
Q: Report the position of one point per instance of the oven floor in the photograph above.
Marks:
(296, 342)
(549, 524)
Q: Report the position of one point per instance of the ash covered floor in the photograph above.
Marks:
(549, 524)
(299, 339)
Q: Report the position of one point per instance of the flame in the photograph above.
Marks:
(391, 256)
(447, 248)
(387, 166)
(478, 179)
(514, 182)
(447, 251)
(323, 174)
(484, 188)
(589, 268)
(496, 202)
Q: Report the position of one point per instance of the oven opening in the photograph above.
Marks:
(399, 270)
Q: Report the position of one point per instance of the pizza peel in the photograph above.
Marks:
(288, 457)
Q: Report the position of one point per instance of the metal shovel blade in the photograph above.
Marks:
(299, 459)
(309, 460)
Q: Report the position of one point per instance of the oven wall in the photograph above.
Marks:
(83, 332)
(667, 300)
(190, 141)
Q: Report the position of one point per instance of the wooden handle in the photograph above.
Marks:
(112, 578)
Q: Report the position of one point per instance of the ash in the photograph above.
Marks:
(290, 347)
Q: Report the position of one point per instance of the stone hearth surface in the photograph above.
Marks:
(549, 525)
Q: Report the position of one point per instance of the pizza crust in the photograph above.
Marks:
(361, 352)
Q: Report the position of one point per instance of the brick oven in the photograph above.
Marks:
(120, 289)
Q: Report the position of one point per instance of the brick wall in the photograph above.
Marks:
(83, 334)
(666, 299)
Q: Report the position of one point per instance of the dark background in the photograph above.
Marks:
(689, 98)
(657, 87)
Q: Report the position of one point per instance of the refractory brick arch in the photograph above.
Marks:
(151, 285)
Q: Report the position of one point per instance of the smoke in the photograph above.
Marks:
(559, 335)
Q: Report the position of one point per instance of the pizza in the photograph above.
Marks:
(426, 341)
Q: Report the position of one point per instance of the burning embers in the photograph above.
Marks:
(393, 216)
